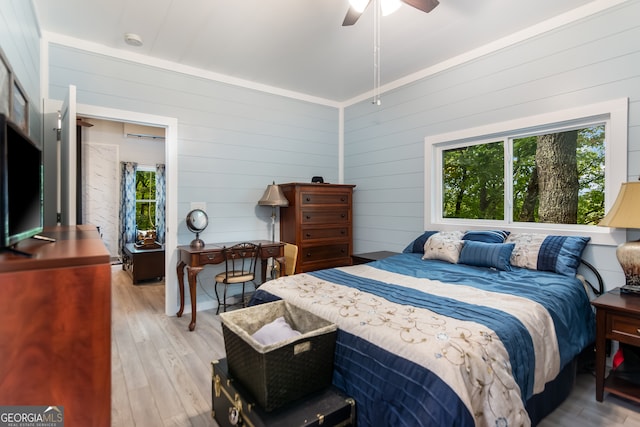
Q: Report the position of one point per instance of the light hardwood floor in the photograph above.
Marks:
(161, 372)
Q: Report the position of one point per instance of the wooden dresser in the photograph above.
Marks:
(55, 325)
(319, 221)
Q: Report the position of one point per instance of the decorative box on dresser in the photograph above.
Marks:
(55, 325)
(319, 221)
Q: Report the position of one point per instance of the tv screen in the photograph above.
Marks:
(21, 172)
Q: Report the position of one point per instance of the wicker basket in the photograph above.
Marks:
(279, 373)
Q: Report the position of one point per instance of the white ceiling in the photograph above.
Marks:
(296, 45)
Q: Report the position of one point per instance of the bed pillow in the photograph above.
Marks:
(482, 254)
(560, 254)
(417, 246)
(487, 236)
(444, 245)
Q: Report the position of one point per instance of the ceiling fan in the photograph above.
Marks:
(356, 8)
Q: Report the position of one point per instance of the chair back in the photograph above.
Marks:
(290, 258)
(240, 262)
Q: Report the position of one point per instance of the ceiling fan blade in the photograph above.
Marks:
(423, 5)
(353, 15)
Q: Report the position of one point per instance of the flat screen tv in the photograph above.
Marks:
(21, 185)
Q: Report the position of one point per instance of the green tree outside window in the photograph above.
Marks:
(145, 200)
(556, 178)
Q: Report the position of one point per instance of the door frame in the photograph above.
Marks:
(171, 299)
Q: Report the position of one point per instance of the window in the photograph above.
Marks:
(545, 173)
(145, 198)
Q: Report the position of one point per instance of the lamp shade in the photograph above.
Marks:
(273, 196)
(625, 212)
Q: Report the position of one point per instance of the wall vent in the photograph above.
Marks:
(132, 130)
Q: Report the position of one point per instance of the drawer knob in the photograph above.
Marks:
(211, 256)
(308, 216)
(343, 215)
(308, 235)
(308, 199)
(308, 254)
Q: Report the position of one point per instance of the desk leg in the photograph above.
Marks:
(281, 261)
(263, 270)
(192, 275)
(180, 269)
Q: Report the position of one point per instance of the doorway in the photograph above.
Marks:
(170, 126)
(103, 145)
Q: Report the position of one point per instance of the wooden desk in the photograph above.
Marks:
(194, 259)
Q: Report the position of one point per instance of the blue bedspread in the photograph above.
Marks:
(404, 391)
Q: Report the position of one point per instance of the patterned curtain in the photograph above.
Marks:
(160, 202)
(127, 204)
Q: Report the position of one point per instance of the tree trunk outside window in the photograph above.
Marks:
(557, 172)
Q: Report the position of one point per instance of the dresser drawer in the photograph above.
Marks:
(325, 216)
(624, 328)
(319, 233)
(324, 252)
(211, 258)
(321, 198)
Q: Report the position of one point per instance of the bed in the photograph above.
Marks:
(460, 329)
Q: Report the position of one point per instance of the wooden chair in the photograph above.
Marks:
(240, 267)
(290, 259)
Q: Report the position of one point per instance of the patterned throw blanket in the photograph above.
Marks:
(418, 351)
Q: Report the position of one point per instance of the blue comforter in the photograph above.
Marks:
(504, 334)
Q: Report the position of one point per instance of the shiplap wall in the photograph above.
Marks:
(232, 141)
(592, 60)
(20, 41)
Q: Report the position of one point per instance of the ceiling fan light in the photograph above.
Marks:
(389, 6)
(359, 5)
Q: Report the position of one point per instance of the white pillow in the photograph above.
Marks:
(276, 331)
(445, 246)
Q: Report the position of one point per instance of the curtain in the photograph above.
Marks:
(160, 202)
(127, 204)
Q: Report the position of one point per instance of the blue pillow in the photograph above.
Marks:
(417, 246)
(488, 236)
(560, 254)
(482, 254)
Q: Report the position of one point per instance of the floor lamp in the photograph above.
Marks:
(273, 196)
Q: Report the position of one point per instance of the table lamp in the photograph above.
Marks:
(625, 213)
(273, 196)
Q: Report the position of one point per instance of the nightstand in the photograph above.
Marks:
(371, 256)
(617, 318)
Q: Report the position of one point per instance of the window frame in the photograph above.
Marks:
(155, 200)
(614, 114)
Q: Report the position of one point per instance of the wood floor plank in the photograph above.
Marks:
(161, 372)
(161, 386)
(145, 409)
